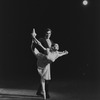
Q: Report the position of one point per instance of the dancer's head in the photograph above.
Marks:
(48, 34)
(55, 47)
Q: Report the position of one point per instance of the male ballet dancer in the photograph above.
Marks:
(47, 43)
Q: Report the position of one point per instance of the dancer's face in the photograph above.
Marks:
(56, 46)
(48, 35)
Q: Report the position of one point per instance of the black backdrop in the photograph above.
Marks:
(75, 27)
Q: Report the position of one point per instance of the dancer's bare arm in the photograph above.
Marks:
(62, 53)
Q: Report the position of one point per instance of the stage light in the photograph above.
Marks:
(85, 2)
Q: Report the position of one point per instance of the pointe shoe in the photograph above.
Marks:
(44, 97)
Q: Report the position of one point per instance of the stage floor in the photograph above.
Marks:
(59, 90)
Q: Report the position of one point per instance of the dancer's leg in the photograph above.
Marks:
(39, 89)
(47, 88)
(43, 87)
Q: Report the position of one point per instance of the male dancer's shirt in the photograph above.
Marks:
(46, 42)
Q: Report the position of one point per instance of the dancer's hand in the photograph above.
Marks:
(66, 52)
(33, 41)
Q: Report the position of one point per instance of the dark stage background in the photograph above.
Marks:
(75, 27)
